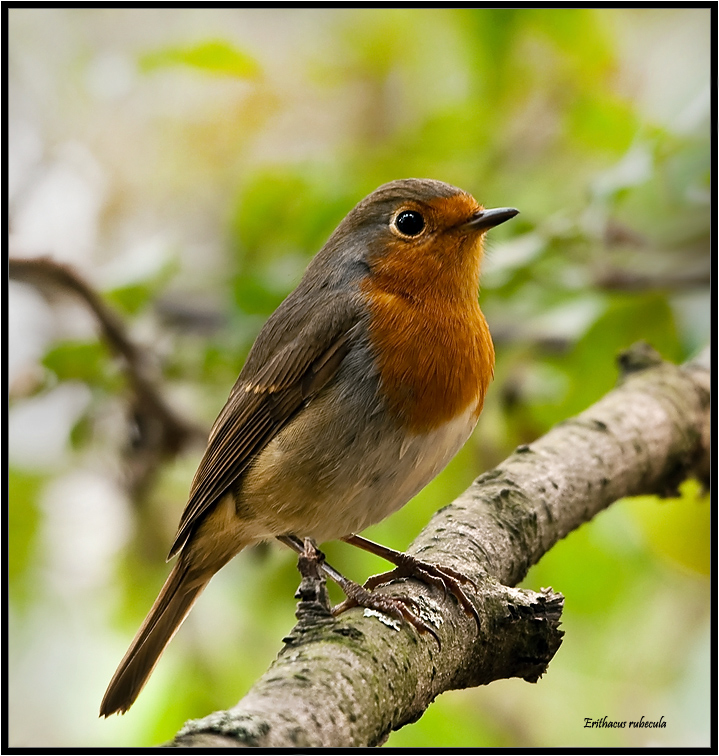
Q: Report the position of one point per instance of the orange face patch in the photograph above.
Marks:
(434, 350)
(442, 261)
(450, 212)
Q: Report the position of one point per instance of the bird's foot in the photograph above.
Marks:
(449, 580)
(399, 607)
(312, 592)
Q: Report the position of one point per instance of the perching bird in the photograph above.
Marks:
(358, 391)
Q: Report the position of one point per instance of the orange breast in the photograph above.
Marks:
(435, 357)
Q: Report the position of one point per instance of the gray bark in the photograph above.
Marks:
(351, 680)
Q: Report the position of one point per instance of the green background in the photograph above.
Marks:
(190, 162)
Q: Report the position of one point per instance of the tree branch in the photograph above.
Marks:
(162, 431)
(350, 681)
(625, 280)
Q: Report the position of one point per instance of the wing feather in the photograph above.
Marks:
(265, 398)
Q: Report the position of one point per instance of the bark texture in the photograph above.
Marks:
(351, 680)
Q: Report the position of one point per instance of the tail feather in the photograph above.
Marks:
(176, 598)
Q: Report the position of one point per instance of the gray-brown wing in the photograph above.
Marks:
(260, 405)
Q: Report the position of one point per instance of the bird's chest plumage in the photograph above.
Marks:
(377, 435)
(435, 359)
(353, 464)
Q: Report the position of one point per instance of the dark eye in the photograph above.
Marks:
(409, 223)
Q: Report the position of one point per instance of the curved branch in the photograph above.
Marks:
(350, 681)
(163, 431)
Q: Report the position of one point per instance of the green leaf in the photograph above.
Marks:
(130, 299)
(133, 296)
(79, 360)
(215, 57)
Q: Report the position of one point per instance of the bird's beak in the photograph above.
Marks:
(486, 219)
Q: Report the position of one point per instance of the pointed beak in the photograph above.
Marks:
(486, 219)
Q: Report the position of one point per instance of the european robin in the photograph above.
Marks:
(359, 389)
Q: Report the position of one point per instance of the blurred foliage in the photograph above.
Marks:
(213, 57)
(251, 139)
(23, 517)
(78, 360)
(679, 533)
(132, 297)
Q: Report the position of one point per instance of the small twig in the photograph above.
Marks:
(624, 280)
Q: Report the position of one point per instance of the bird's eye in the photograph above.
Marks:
(409, 223)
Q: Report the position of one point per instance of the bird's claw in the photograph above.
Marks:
(402, 608)
(446, 578)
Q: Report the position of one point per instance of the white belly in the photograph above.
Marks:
(350, 485)
(417, 461)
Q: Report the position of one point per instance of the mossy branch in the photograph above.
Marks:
(350, 681)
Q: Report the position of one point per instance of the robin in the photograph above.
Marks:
(358, 391)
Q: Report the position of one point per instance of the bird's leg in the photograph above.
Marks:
(399, 607)
(314, 602)
(409, 566)
(307, 548)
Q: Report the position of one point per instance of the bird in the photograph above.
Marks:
(359, 389)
